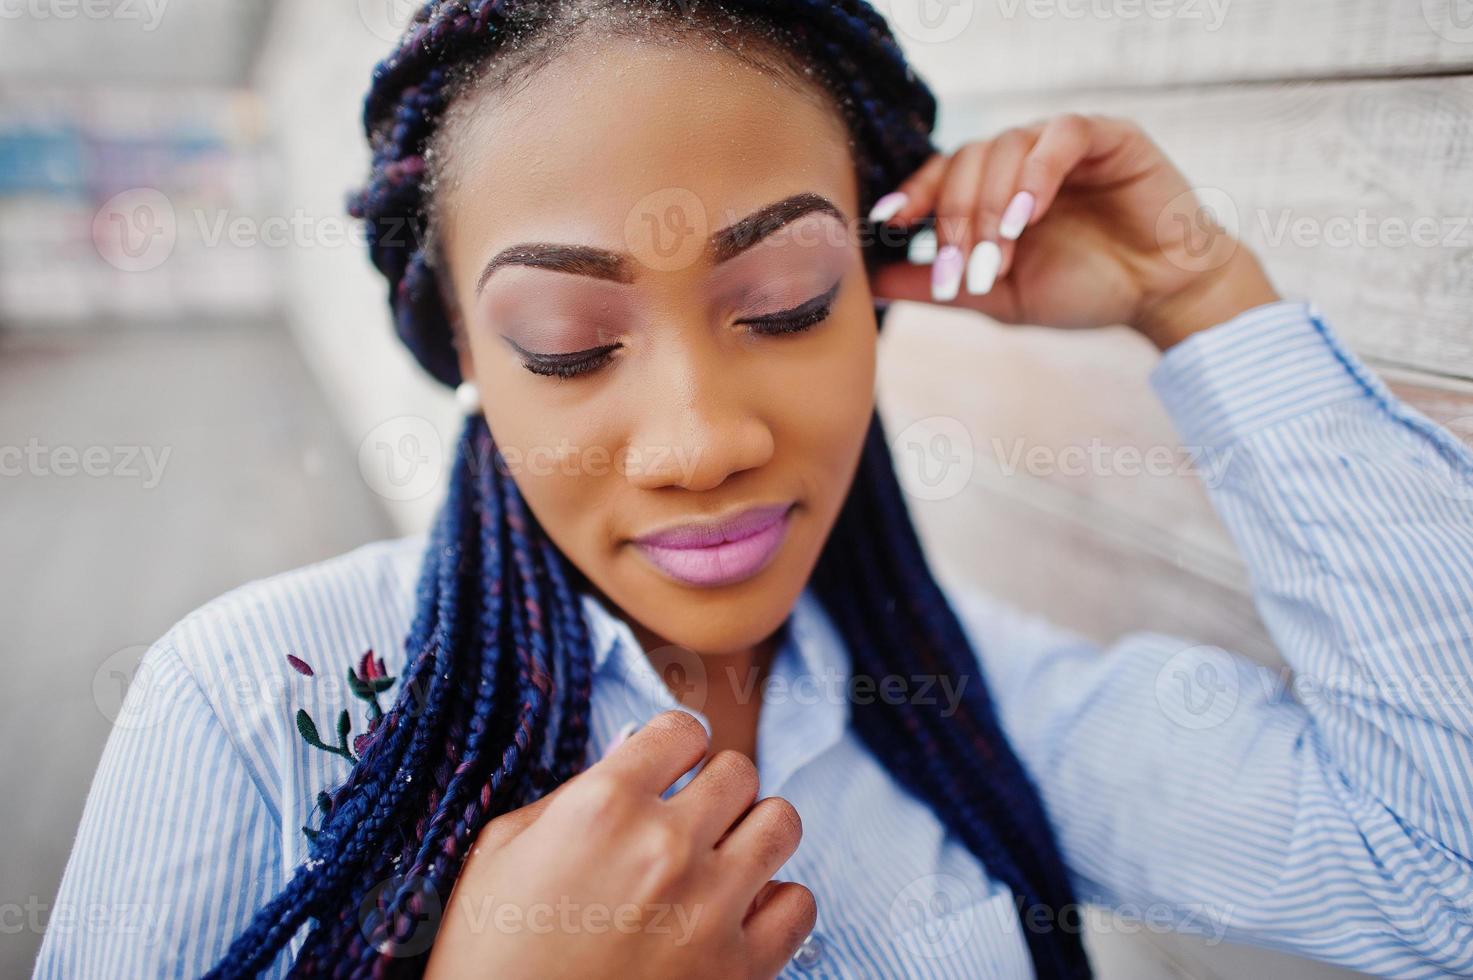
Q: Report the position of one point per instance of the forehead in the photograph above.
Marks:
(616, 130)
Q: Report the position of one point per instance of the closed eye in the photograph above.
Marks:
(577, 363)
(563, 365)
(800, 317)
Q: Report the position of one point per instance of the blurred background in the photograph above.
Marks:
(199, 384)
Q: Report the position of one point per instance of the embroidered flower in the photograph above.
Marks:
(366, 681)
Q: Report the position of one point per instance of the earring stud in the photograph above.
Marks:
(468, 397)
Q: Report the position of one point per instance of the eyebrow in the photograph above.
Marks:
(724, 244)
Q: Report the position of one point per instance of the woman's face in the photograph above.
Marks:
(646, 358)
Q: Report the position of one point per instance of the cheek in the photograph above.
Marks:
(829, 430)
(563, 460)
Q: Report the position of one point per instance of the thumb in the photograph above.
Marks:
(501, 830)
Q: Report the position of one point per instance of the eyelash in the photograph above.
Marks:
(796, 320)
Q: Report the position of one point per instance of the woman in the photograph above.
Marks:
(626, 231)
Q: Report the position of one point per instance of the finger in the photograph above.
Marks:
(502, 829)
(758, 846)
(956, 206)
(719, 794)
(778, 925)
(1062, 144)
(991, 255)
(902, 280)
(654, 757)
(956, 200)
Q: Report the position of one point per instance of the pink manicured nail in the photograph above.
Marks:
(1015, 218)
(946, 274)
(888, 206)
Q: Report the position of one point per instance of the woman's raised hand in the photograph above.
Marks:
(1076, 221)
(605, 877)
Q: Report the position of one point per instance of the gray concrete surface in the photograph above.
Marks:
(257, 479)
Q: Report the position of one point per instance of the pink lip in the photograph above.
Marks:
(719, 552)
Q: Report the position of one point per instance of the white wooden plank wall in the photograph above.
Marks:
(1340, 135)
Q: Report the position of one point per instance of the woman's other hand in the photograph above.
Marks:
(605, 877)
(1077, 221)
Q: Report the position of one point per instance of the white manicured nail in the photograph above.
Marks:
(888, 206)
(982, 268)
(922, 248)
(946, 274)
(1015, 217)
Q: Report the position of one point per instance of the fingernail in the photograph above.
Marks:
(629, 728)
(982, 268)
(888, 206)
(1015, 218)
(946, 274)
(922, 248)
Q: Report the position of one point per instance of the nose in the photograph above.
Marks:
(700, 425)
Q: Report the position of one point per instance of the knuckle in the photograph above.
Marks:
(805, 907)
(1011, 140)
(735, 769)
(781, 830)
(666, 853)
(601, 797)
(681, 727)
(785, 821)
(1071, 123)
(800, 914)
(1040, 170)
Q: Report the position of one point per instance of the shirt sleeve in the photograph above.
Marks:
(177, 846)
(1325, 810)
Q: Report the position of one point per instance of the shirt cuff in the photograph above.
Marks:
(1262, 367)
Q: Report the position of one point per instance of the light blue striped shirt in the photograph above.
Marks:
(1189, 787)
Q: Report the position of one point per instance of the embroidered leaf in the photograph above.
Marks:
(344, 724)
(360, 688)
(307, 727)
(382, 683)
(324, 801)
(299, 665)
